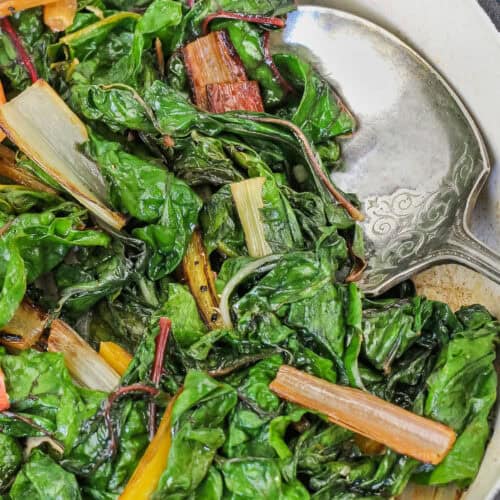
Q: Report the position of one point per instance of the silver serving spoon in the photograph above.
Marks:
(417, 161)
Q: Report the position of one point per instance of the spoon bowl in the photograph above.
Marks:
(417, 160)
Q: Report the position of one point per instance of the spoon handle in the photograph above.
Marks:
(466, 249)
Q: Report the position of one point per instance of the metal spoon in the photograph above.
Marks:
(417, 162)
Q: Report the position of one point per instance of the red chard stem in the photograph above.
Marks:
(287, 88)
(161, 346)
(109, 404)
(21, 51)
(274, 22)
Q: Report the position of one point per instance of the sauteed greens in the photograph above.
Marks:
(238, 256)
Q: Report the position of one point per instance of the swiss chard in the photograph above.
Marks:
(39, 230)
(103, 471)
(92, 276)
(461, 393)
(159, 20)
(192, 23)
(280, 225)
(35, 39)
(320, 114)
(204, 161)
(122, 319)
(169, 236)
(247, 40)
(248, 478)
(180, 307)
(221, 226)
(151, 194)
(42, 478)
(197, 433)
(92, 39)
(10, 460)
(42, 392)
(197, 189)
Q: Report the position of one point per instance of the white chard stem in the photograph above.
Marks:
(247, 196)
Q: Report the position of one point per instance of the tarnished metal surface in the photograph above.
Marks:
(417, 161)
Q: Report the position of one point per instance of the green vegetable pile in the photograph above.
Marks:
(168, 167)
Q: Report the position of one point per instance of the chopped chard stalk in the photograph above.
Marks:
(372, 417)
(199, 276)
(234, 96)
(4, 397)
(40, 123)
(247, 196)
(116, 356)
(11, 171)
(59, 15)
(85, 365)
(9, 7)
(161, 346)
(211, 59)
(146, 476)
(26, 327)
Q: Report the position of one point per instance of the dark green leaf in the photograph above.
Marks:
(33, 243)
(169, 236)
(41, 478)
(151, 194)
(203, 161)
(180, 307)
(197, 433)
(11, 456)
(93, 275)
(117, 108)
(91, 39)
(36, 39)
(320, 114)
(462, 391)
(40, 388)
(159, 20)
(221, 226)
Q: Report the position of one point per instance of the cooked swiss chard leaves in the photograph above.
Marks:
(279, 256)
